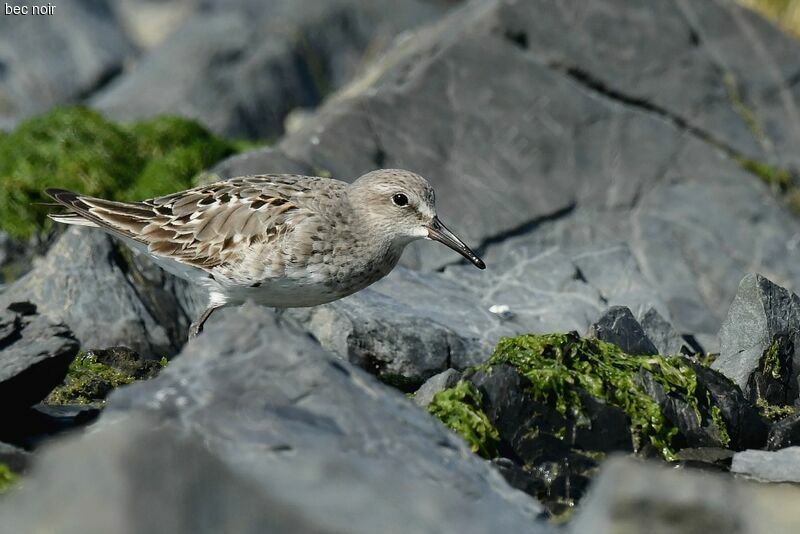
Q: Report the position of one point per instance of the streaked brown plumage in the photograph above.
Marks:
(280, 240)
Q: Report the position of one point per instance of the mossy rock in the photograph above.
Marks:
(564, 372)
(94, 374)
(77, 148)
(8, 478)
(548, 408)
(459, 408)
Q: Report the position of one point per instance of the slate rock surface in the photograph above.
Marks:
(47, 60)
(640, 497)
(768, 466)
(618, 326)
(278, 409)
(745, 426)
(760, 341)
(784, 433)
(446, 379)
(34, 355)
(149, 477)
(664, 336)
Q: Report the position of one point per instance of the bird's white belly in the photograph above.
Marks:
(284, 293)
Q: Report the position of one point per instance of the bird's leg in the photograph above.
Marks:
(197, 326)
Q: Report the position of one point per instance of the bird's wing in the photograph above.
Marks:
(207, 226)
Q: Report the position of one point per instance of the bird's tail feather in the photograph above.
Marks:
(71, 218)
(123, 219)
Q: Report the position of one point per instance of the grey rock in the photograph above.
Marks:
(439, 382)
(34, 355)
(258, 60)
(278, 409)
(768, 466)
(618, 326)
(732, 64)
(106, 299)
(148, 477)
(414, 336)
(612, 269)
(662, 334)
(13, 256)
(149, 22)
(638, 497)
(763, 317)
(17, 460)
(784, 433)
(743, 423)
(46, 60)
(253, 163)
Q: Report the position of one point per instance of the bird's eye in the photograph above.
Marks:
(400, 200)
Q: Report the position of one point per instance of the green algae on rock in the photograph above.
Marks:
(8, 478)
(559, 366)
(77, 148)
(93, 375)
(459, 408)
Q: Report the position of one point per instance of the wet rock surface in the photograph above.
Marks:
(559, 404)
(784, 433)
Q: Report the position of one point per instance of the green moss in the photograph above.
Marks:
(88, 381)
(8, 478)
(773, 412)
(772, 362)
(745, 112)
(459, 408)
(719, 423)
(706, 359)
(559, 366)
(163, 362)
(78, 149)
(770, 175)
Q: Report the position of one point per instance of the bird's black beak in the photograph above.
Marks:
(439, 232)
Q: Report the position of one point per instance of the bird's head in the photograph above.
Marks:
(400, 206)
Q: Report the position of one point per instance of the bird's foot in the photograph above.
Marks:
(195, 329)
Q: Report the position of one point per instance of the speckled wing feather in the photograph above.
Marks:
(207, 226)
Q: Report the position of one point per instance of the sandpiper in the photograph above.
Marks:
(280, 240)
